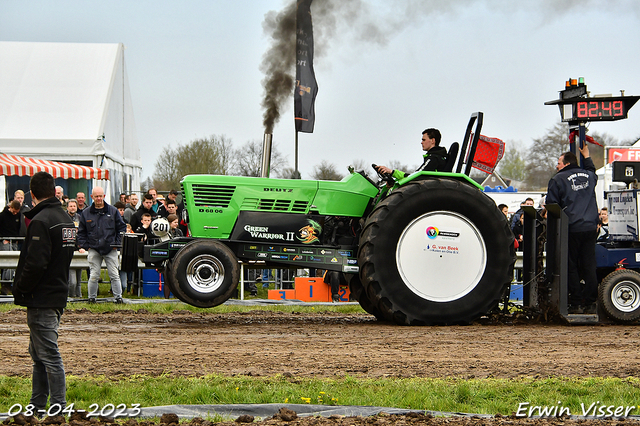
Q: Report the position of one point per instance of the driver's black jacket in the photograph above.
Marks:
(434, 160)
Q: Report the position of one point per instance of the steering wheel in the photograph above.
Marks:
(385, 177)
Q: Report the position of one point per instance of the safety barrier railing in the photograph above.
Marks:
(281, 278)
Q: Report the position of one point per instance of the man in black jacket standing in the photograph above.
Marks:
(573, 188)
(99, 233)
(41, 285)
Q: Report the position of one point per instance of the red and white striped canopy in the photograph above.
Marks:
(14, 165)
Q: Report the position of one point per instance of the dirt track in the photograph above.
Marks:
(261, 343)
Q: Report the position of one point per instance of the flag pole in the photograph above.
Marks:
(296, 172)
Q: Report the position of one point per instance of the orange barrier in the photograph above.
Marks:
(281, 294)
(344, 293)
(309, 290)
(312, 289)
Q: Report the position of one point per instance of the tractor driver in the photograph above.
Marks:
(435, 157)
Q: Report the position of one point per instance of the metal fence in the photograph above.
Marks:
(251, 272)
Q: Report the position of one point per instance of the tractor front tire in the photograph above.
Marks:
(171, 284)
(204, 273)
(619, 296)
(436, 251)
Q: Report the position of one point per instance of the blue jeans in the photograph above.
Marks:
(123, 281)
(48, 380)
(75, 283)
(95, 262)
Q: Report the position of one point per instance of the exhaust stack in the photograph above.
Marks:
(266, 155)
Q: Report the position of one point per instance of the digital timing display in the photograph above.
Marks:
(592, 110)
(576, 106)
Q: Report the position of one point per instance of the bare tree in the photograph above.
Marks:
(359, 164)
(226, 155)
(629, 142)
(212, 155)
(326, 171)
(166, 174)
(286, 173)
(146, 184)
(397, 165)
(204, 156)
(249, 160)
(596, 151)
(512, 165)
(543, 156)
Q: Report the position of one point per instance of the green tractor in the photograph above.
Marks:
(431, 248)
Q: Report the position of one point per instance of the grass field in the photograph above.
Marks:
(484, 396)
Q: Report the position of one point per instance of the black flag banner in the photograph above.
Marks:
(306, 87)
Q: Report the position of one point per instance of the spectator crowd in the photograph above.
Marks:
(127, 214)
(134, 213)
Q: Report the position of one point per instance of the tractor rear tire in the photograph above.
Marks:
(436, 251)
(204, 273)
(357, 291)
(619, 296)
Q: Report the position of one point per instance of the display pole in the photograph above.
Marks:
(582, 134)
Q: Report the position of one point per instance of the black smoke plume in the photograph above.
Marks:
(355, 22)
(278, 63)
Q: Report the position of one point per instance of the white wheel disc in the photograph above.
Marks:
(625, 296)
(205, 273)
(441, 256)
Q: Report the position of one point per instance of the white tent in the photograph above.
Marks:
(70, 102)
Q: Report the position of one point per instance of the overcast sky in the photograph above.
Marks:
(385, 71)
